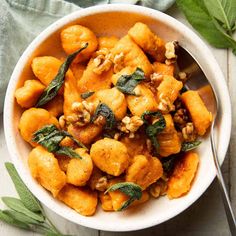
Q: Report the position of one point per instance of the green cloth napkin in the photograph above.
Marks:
(22, 20)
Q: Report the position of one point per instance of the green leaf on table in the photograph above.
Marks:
(27, 198)
(205, 22)
(52, 89)
(127, 83)
(17, 205)
(11, 221)
(187, 146)
(134, 191)
(224, 11)
(20, 217)
(104, 111)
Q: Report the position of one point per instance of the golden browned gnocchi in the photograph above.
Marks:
(110, 156)
(74, 37)
(79, 170)
(45, 169)
(111, 121)
(28, 95)
(82, 200)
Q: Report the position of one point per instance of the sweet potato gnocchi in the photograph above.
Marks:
(113, 122)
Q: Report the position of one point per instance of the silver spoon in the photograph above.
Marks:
(192, 69)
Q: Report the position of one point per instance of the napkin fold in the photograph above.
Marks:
(22, 20)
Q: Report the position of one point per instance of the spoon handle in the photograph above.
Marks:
(224, 194)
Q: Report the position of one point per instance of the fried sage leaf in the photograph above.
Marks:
(87, 94)
(153, 129)
(50, 137)
(127, 83)
(52, 89)
(27, 198)
(187, 146)
(134, 191)
(103, 110)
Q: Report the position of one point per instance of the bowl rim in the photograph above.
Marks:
(9, 101)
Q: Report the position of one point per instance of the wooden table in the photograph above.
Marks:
(205, 217)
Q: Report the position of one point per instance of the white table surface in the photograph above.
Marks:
(205, 217)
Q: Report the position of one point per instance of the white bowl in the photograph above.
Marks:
(116, 20)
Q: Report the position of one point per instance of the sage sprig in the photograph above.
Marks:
(49, 136)
(153, 129)
(213, 19)
(134, 191)
(127, 83)
(52, 89)
(26, 213)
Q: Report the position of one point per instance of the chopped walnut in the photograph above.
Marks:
(170, 53)
(102, 184)
(189, 133)
(117, 136)
(158, 189)
(62, 122)
(165, 105)
(118, 62)
(81, 115)
(130, 124)
(100, 121)
(180, 118)
(102, 61)
(182, 76)
(156, 78)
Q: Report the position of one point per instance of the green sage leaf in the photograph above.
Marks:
(153, 129)
(127, 83)
(20, 217)
(68, 151)
(86, 95)
(168, 164)
(224, 11)
(187, 146)
(199, 17)
(26, 196)
(11, 221)
(103, 110)
(134, 191)
(49, 136)
(17, 205)
(52, 89)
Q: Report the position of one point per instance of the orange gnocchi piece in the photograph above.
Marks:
(148, 41)
(200, 116)
(91, 81)
(81, 199)
(28, 95)
(74, 37)
(107, 42)
(133, 55)
(163, 69)
(168, 139)
(32, 120)
(183, 175)
(144, 170)
(145, 101)
(86, 134)
(45, 169)
(79, 170)
(110, 156)
(55, 106)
